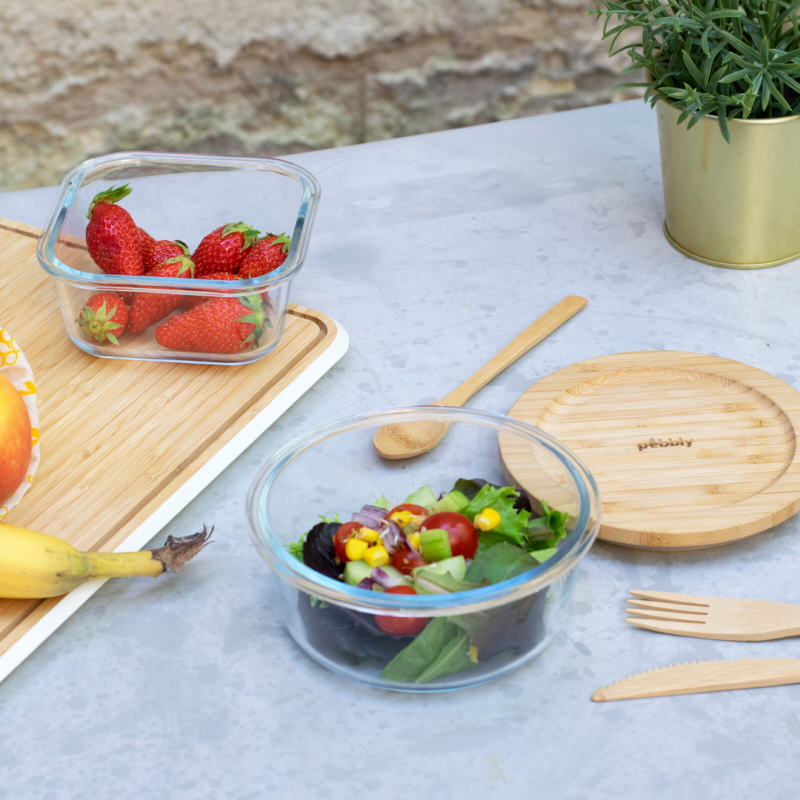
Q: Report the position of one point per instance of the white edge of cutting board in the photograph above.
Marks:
(51, 621)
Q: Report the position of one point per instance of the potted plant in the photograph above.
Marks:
(725, 78)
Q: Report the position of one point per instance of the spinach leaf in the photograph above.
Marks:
(499, 563)
(469, 488)
(454, 657)
(518, 626)
(412, 661)
(542, 555)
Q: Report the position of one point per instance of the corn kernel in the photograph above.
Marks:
(355, 549)
(415, 541)
(368, 535)
(376, 556)
(473, 654)
(487, 519)
(402, 518)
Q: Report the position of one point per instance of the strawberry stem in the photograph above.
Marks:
(250, 234)
(112, 195)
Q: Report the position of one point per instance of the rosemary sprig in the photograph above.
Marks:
(720, 57)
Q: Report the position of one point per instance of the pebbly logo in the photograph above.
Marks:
(665, 443)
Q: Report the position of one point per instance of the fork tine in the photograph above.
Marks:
(674, 628)
(670, 597)
(673, 608)
(667, 616)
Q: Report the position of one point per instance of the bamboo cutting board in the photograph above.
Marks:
(126, 444)
(688, 450)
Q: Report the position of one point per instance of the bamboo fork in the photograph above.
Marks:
(713, 617)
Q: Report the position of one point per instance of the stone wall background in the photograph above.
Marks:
(79, 78)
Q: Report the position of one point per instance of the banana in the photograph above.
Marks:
(35, 565)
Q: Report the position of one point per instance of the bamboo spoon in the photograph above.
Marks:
(408, 439)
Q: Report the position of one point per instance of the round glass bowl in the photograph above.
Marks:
(485, 632)
(185, 197)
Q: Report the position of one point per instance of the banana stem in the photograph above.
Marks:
(169, 558)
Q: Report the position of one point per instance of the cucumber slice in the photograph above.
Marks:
(435, 545)
(356, 571)
(424, 497)
(455, 566)
(453, 501)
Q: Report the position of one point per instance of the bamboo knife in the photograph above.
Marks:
(703, 676)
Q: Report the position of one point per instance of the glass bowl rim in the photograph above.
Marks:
(45, 249)
(291, 569)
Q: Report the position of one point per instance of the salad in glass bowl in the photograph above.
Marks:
(431, 589)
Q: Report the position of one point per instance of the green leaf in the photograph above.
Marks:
(500, 563)
(452, 658)
(693, 71)
(296, 548)
(467, 487)
(421, 653)
(512, 522)
(430, 582)
(723, 124)
(381, 502)
(515, 625)
(543, 555)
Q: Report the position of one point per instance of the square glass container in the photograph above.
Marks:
(335, 470)
(183, 197)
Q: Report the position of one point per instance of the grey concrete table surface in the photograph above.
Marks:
(433, 252)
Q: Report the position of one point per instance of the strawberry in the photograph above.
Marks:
(220, 325)
(112, 237)
(192, 300)
(103, 317)
(223, 249)
(148, 308)
(144, 238)
(266, 255)
(155, 253)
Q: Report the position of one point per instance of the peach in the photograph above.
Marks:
(15, 439)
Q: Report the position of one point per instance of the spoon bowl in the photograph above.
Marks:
(408, 439)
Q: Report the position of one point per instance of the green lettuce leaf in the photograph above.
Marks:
(296, 548)
(543, 533)
(512, 522)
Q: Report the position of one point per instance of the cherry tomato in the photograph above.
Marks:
(401, 626)
(405, 559)
(463, 538)
(346, 530)
(417, 511)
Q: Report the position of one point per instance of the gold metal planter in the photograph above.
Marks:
(732, 205)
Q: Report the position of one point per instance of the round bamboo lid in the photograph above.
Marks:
(688, 450)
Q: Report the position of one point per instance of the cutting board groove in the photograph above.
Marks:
(119, 438)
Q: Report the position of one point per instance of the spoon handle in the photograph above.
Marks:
(532, 335)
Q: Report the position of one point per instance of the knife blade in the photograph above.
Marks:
(703, 676)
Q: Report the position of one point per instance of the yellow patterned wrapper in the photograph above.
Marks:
(14, 366)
